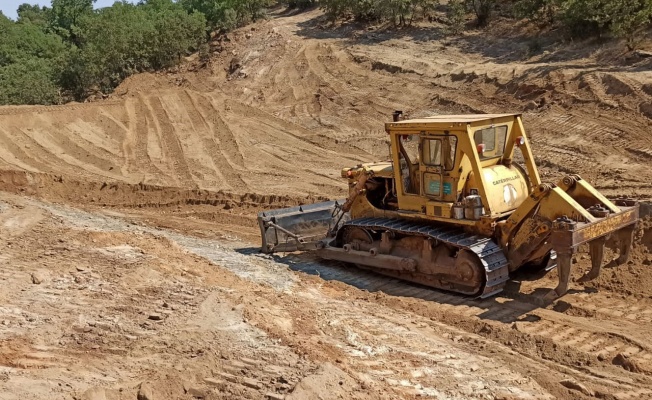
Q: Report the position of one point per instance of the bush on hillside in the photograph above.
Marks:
(482, 10)
(542, 12)
(300, 4)
(227, 14)
(31, 81)
(31, 63)
(125, 39)
(398, 12)
(68, 50)
(584, 18)
(455, 17)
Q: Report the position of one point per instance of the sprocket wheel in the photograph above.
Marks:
(358, 238)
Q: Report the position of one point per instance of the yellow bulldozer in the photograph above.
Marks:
(458, 206)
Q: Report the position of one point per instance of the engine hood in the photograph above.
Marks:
(383, 169)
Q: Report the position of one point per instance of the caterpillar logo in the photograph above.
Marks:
(499, 181)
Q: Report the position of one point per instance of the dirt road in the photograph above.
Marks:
(128, 241)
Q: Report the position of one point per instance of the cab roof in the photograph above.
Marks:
(450, 119)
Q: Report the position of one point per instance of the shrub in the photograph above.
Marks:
(455, 17)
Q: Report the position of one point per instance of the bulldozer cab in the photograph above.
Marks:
(443, 159)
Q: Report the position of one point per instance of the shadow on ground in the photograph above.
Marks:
(509, 306)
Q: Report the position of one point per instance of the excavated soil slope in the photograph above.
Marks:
(156, 289)
(285, 105)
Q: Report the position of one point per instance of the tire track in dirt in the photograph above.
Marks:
(221, 167)
(310, 143)
(60, 148)
(85, 148)
(137, 159)
(129, 143)
(334, 93)
(187, 127)
(595, 85)
(94, 134)
(149, 145)
(554, 340)
(370, 340)
(66, 328)
(16, 110)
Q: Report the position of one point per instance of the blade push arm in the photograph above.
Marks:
(563, 217)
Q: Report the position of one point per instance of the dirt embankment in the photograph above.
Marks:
(286, 104)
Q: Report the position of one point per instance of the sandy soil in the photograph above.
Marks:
(128, 241)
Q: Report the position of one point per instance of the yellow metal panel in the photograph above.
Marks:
(453, 119)
(584, 193)
(532, 170)
(439, 209)
(506, 188)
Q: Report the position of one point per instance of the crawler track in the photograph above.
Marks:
(490, 255)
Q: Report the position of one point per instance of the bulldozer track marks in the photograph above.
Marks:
(170, 142)
(137, 158)
(174, 138)
(14, 110)
(573, 332)
(220, 141)
(13, 154)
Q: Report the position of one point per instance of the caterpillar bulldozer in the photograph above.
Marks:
(458, 206)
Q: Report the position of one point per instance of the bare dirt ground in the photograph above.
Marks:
(128, 252)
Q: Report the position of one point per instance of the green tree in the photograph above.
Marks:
(175, 33)
(31, 62)
(218, 14)
(227, 14)
(584, 18)
(397, 11)
(124, 39)
(542, 12)
(629, 18)
(300, 4)
(30, 81)
(33, 14)
(335, 9)
(455, 17)
(66, 16)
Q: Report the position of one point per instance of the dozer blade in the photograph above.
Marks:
(297, 228)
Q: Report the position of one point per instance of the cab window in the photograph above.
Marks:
(409, 163)
(493, 140)
(440, 151)
(410, 144)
